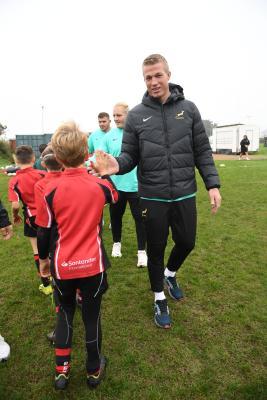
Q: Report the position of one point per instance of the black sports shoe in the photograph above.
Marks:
(173, 287)
(161, 314)
(51, 336)
(61, 381)
(93, 380)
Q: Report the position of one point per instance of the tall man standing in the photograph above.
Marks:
(96, 137)
(165, 137)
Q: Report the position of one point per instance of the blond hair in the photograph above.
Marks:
(123, 105)
(155, 59)
(70, 144)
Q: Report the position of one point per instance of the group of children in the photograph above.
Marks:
(63, 210)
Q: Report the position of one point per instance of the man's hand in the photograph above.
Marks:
(105, 164)
(44, 268)
(215, 199)
(6, 232)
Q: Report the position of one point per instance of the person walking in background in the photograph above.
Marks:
(244, 148)
(127, 187)
(165, 137)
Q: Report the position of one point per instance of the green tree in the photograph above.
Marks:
(2, 129)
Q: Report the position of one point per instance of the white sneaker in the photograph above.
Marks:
(141, 258)
(4, 349)
(116, 250)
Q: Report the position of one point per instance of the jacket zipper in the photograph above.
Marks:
(168, 147)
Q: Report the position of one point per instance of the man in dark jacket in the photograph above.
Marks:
(165, 137)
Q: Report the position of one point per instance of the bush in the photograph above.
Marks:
(5, 151)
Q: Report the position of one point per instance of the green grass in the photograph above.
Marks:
(216, 349)
(262, 150)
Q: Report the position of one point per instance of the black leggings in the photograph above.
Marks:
(91, 289)
(116, 213)
(159, 216)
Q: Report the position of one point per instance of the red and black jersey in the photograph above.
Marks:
(21, 188)
(71, 211)
(40, 186)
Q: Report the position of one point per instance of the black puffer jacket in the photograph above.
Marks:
(166, 142)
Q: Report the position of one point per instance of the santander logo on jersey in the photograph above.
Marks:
(73, 263)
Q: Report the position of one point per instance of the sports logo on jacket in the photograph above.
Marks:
(179, 115)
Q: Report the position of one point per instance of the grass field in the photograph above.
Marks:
(216, 349)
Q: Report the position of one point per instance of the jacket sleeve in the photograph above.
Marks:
(109, 189)
(4, 220)
(203, 153)
(129, 156)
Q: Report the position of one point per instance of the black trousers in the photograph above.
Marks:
(181, 218)
(116, 213)
(91, 289)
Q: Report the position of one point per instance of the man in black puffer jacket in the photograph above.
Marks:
(165, 137)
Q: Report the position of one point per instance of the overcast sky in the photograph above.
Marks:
(77, 58)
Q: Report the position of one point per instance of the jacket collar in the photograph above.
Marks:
(177, 93)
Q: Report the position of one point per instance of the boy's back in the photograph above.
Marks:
(21, 188)
(75, 202)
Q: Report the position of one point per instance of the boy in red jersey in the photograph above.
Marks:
(21, 189)
(53, 167)
(69, 221)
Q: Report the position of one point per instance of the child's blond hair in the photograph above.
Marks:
(70, 144)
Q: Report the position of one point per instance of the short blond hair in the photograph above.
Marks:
(69, 144)
(155, 59)
(123, 105)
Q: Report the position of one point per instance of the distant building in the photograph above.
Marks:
(226, 138)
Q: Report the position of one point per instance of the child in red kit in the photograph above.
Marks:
(21, 189)
(69, 221)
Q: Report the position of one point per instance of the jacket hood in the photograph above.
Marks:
(177, 93)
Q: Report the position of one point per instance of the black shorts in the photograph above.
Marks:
(30, 228)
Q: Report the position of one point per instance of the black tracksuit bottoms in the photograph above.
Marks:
(158, 216)
(91, 289)
(117, 211)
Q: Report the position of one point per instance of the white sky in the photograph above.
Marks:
(79, 57)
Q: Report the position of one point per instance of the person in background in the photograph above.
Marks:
(21, 190)
(128, 191)
(95, 139)
(244, 148)
(6, 232)
(38, 162)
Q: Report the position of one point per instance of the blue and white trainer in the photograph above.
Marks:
(162, 316)
(174, 290)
